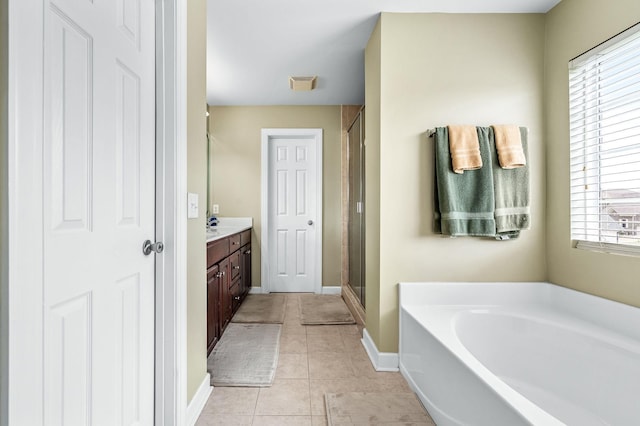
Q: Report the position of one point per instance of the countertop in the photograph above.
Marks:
(218, 232)
(228, 226)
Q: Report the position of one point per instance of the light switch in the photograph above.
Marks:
(192, 203)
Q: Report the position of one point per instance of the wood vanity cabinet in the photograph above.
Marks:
(225, 302)
(245, 261)
(235, 291)
(214, 330)
(228, 281)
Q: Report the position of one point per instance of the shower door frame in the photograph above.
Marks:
(356, 203)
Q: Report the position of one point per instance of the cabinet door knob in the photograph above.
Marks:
(236, 267)
(236, 297)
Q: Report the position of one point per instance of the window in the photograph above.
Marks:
(604, 108)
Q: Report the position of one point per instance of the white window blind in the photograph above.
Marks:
(604, 108)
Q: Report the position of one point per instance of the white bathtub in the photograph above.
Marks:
(520, 354)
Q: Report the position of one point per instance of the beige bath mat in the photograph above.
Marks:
(246, 355)
(318, 309)
(261, 308)
(375, 408)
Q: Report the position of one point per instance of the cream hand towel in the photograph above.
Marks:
(509, 146)
(465, 148)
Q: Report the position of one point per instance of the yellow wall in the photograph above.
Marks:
(439, 69)
(573, 27)
(197, 183)
(235, 170)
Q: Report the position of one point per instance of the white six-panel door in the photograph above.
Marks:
(294, 209)
(99, 207)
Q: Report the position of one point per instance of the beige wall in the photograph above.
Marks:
(197, 183)
(573, 27)
(439, 69)
(235, 170)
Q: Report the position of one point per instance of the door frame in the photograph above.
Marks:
(21, 339)
(266, 136)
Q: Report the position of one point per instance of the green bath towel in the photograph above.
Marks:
(465, 202)
(511, 189)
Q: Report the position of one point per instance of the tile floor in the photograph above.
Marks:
(313, 360)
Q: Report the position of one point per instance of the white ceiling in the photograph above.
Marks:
(253, 46)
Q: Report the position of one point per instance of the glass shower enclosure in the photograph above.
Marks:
(356, 223)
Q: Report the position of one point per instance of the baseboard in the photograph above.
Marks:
(199, 400)
(325, 290)
(331, 289)
(382, 361)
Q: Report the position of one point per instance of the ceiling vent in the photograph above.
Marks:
(302, 83)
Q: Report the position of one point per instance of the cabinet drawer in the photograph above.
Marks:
(234, 261)
(234, 242)
(245, 237)
(236, 294)
(217, 250)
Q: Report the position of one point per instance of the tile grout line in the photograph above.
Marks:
(255, 406)
(306, 339)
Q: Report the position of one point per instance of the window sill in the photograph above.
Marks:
(619, 249)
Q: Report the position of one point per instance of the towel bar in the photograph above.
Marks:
(432, 132)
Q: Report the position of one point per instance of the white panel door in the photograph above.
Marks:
(99, 207)
(293, 212)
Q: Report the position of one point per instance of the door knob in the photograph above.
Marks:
(310, 223)
(148, 247)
